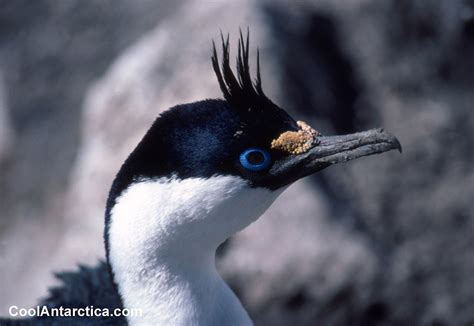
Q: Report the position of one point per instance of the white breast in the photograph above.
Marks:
(163, 236)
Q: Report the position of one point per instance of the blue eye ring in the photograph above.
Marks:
(255, 167)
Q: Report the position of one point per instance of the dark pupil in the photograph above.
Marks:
(255, 158)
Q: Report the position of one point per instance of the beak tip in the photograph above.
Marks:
(395, 143)
(398, 145)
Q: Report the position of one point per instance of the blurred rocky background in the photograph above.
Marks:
(385, 240)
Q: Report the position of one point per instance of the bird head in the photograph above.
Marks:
(214, 166)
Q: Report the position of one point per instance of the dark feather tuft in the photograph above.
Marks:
(239, 91)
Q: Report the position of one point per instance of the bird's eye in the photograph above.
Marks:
(255, 159)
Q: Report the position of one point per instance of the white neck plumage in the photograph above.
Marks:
(163, 235)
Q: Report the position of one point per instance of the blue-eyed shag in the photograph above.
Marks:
(202, 172)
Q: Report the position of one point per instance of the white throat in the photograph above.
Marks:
(163, 235)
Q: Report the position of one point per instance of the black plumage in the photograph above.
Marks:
(241, 92)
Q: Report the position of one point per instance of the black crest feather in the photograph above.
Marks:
(241, 91)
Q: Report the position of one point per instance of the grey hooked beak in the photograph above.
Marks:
(338, 149)
(332, 150)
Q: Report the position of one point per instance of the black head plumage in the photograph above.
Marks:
(240, 91)
(206, 138)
